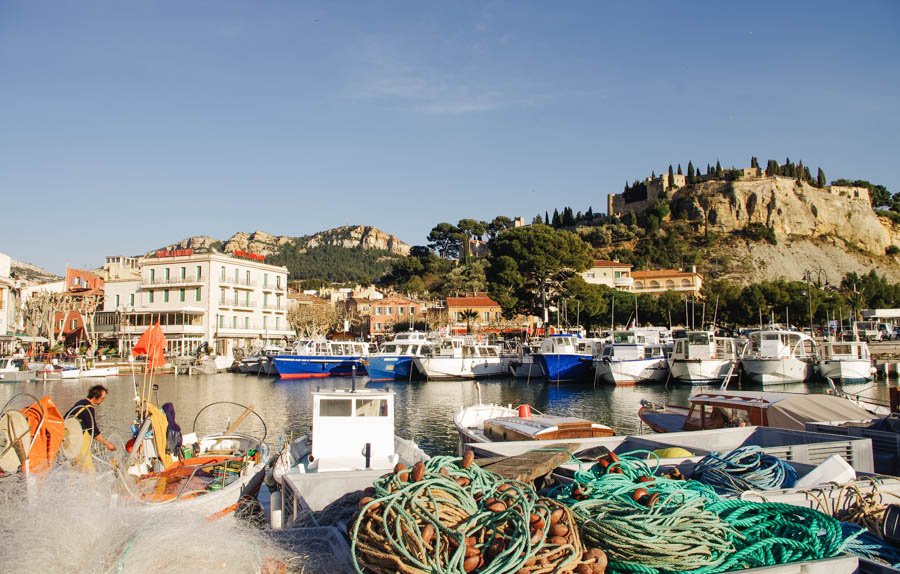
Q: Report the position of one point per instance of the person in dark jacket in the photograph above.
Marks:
(173, 432)
(85, 411)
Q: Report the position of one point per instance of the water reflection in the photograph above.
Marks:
(424, 409)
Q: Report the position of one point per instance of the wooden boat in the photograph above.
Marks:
(352, 443)
(720, 409)
(495, 423)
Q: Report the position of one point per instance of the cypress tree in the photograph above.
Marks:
(546, 219)
(679, 169)
(568, 218)
(820, 178)
(590, 214)
(556, 221)
(708, 169)
(671, 181)
(754, 162)
(718, 169)
(690, 174)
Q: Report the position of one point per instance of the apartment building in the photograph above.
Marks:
(227, 301)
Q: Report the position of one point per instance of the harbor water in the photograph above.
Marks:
(425, 410)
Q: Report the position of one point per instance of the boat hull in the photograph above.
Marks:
(847, 371)
(437, 368)
(776, 371)
(700, 371)
(317, 367)
(565, 367)
(389, 367)
(632, 372)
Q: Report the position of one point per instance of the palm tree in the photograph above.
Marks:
(469, 315)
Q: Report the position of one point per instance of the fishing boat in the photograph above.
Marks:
(260, 362)
(211, 473)
(845, 362)
(394, 360)
(701, 358)
(87, 369)
(567, 357)
(319, 358)
(721, 409)
(778, 356)
(496, 423)
(351, 443)
(634, 356)
(461, 358)
(57, 371)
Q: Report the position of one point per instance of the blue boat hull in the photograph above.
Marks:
(564, 368)
(389, 367)
(318, 366)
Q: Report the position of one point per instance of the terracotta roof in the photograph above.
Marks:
(608, 263)
(477, 301)
(656, 273)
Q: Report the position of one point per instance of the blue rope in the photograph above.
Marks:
(745, 468)
(859, 541)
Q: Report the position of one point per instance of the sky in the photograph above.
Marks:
(126, 126)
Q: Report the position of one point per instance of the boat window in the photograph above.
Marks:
(489, 352)
(371, 407)
(335, 407)
(698, 338)
(390, 349)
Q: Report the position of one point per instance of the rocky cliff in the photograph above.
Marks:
(830, 231)
(362, 237)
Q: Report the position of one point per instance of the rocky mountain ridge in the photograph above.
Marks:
(362, 237)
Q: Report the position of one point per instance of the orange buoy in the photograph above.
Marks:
(524, 411)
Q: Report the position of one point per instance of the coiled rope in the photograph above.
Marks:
(448, 515)
(745, 468)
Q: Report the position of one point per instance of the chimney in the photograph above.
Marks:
(693, 268)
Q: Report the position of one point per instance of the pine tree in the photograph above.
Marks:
(801, 175)
(537, 219)
(820, 178)
(589, 216)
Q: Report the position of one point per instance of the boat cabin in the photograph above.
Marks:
(703, 345)
(845, 350)
(352, 430)
(781, 344)
(632, 352)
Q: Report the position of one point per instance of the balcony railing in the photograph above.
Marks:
(237, 282)
(162, 281)
(274, 307)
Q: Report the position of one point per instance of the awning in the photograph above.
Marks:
(31, 339)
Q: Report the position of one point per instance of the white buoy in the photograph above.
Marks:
(276, 517)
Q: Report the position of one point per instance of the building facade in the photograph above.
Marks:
(8, 305)
(225, 301)
(662, 280)
(614, 274)
(392, 311)
(473, 313)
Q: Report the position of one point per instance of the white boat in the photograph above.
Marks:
(260, 361)
(12, 370)
(846, 361)
(701, 358)
(461, 358)
(567, 357)
(777, 356)
(57, 371)
(352, 443)
(495, 423)
(635, 356)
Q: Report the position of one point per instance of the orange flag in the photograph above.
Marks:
(153, 344)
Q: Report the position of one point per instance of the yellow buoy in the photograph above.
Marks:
(673, 452)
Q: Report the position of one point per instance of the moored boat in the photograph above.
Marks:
(845, 362)
(461, 358)
(567, 358)
(13, 370)
(633, 357)
(778, 356)
(319, 358)
(701, 358)
(495, 423)
(351, 443)
(720, 409)
(394, 360)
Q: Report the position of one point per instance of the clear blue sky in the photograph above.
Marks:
(125, 126)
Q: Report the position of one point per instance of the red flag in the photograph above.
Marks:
(153, 344)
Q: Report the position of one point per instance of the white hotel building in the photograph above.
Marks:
(223, 300)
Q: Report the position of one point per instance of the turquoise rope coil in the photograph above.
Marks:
(745, 468)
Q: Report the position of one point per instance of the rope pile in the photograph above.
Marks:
(745, 468)
(450, 516)
(654, 524)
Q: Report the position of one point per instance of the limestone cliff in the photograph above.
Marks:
(790, 209)
(362, 237)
